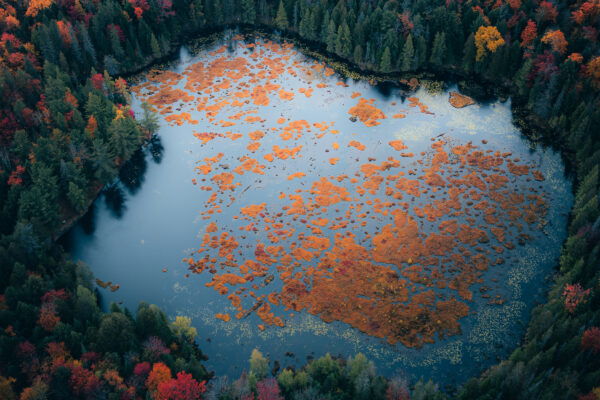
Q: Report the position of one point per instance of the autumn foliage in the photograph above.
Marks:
(557, 41)
(591, 340)
(574, 295)
(487, 38)
(35, 6)
(528, 34)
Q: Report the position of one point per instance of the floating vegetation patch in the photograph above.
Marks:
(397, 247)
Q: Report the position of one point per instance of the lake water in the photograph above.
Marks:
(329, 215)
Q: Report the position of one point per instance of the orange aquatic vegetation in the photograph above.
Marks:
(168, 95)
(223, 317)
(253, 147)
(224, 180)
(253, 210)
(286, 95)
(392, 248)
(397, 145)
(366, 112)
(357, 145)
(249, 164)
(414, 102)
(306, 91)
(458, 100)
(296, 175)
(179, 119)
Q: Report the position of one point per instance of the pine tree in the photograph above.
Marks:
(358, 54)
(343, 44)
(156, 52)
(248, 11)
(469, 54)
(438, 52)
(408, 55)
(281, 20)
(331, 36)
(421, 54)
(386, 61)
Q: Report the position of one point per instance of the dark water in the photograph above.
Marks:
(152, 218)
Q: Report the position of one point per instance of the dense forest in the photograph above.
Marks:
(66, 130)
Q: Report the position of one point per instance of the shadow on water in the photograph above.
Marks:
(156, 149)
(132, 173)
(88, 221)
(131, 177)
(114, 198)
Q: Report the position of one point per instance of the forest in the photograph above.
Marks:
(67, 129)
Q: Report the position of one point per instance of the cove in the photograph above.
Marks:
(302, 213)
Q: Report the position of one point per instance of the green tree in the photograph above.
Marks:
(331, 36)
(77, 197)
(281, 20)
(149, 121)
(86, 307)
(438, 52)
(103, 161)
(151, 321)
(39, 204)
(248, 11)
(358, 54)
(155, 46)
(385, 65)
(408, 55)
(124, 137)
(115, 333)
(343, 43)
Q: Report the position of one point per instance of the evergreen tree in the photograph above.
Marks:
(331, 36)
(469, 54)
(438, 52)
(408, 55)
(281, 20)
(386, 62)
(343, 43)
(248, 11)
(39, 204)
(77, 197)
(124, 137)
(358, 54)
(103, 161)
(154, 46)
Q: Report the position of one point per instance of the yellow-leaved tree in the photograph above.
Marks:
(487, 38)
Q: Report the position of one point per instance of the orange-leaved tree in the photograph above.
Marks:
(487, 38)
(557, 40)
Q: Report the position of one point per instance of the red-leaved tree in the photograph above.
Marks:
(574, 295)
(590, 340)
(184, 387)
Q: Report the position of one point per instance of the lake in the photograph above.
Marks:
(285, 208)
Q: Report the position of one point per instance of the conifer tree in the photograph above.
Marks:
(248, 11)
(408, 54)
(438, 52)
(386, 61)
(281, 20)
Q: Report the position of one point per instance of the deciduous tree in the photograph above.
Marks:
(487, 38)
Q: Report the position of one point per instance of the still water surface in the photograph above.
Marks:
(300, 236)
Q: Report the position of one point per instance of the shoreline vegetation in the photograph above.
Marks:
(49, 308)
